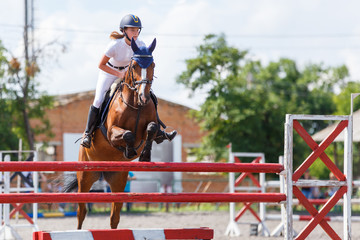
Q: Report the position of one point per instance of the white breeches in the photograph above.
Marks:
(103, 84)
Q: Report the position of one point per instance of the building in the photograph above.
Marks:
(321, 135)
(68, 120)
(338, 142)
(70, 113)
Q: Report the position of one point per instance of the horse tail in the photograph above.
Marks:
(71, 184)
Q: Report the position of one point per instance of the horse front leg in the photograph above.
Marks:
(117, 182)
(151, 130)
(119, 136)
(85, 181)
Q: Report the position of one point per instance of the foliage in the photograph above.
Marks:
(23, 101)
(343, 99)
(247, 101)
(8, 139)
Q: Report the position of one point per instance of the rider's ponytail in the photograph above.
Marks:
(116, 35)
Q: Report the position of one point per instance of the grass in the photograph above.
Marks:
(163, 207)
(103, 208)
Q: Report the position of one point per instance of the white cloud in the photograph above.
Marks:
(266, 17)
(352, 61)
(77, 69)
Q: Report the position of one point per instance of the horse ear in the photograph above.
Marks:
(152, 46)
(134, 46)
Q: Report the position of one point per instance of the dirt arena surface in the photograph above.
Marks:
(216, 220)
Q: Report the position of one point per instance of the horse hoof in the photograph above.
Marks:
(130, 153)
(129, 138)
(145, 156)
(144, 159)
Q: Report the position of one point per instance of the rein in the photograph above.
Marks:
(103, 128)
(132, 87)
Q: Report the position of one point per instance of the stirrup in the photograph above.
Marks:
(86, 141)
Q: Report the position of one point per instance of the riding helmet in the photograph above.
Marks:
(130, 20)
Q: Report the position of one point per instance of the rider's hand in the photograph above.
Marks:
(121, 74)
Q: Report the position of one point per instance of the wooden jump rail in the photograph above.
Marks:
(141, 166)
(128, 234)
(140, 197)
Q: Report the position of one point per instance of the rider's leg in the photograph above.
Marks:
(90, 126)
(103, 84)
(161, 135)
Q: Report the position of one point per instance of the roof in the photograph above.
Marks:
(64, 99)
(321, 135)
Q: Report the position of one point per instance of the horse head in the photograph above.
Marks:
(142, 71)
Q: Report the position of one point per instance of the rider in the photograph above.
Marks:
(112, 66)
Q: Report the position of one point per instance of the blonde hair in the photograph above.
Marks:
(116, 35)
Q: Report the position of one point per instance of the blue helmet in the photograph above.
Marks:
(130, 20)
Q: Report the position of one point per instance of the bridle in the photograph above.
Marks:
(134, 84)
(133, 87)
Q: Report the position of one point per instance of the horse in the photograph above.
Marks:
(130, 128)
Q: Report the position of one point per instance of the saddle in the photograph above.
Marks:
(104, 108)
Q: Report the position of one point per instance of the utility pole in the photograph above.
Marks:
(29, 24)
(25, 86)
(26, 36)
(32, 25)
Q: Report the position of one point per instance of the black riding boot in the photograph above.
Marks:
(90, 126)
(162, 135)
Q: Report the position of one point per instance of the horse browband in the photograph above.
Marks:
(140, 56)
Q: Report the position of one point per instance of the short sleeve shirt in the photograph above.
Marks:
(127, 187)
(119, 52)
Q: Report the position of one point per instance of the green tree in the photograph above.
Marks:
(246, 102)
(23, 101)
(8, 140)
(342, 100)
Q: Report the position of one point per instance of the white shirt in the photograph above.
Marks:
(119, 52)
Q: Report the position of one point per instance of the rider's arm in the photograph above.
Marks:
(103, 66)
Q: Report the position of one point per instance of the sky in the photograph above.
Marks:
(307, 31)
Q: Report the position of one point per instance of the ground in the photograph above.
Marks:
(216, 220)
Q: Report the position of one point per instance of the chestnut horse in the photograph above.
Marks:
(131, 126)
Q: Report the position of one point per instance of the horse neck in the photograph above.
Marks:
(129, 95)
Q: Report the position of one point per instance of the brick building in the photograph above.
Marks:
(68, 119)
(70, 113)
